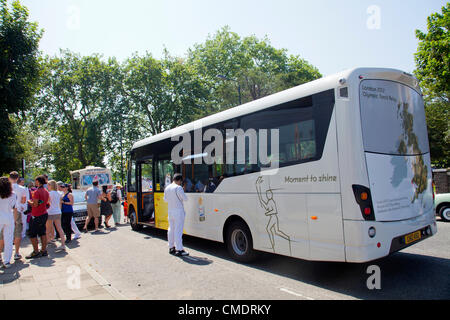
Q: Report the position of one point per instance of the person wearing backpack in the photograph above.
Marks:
(116, 203)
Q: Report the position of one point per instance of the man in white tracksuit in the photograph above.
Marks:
(174, 196)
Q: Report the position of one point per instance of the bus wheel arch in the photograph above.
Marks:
(133, 219)
(238, 239)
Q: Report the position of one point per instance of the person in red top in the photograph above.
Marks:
(39, 217)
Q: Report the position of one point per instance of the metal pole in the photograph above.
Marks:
(23, 168)
(121, 154)
(239, 90)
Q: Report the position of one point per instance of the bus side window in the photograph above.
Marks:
(132, 176)
(147, 176)
(164, 174)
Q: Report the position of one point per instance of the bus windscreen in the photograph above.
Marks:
(392, 118)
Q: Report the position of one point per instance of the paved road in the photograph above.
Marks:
(138, 265)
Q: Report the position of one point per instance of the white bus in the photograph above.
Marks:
(82, 179)
(354, 178)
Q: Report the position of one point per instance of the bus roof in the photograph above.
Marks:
(294, 93)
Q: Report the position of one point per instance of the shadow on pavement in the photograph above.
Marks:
(403, 275)
(196, 260)
(13, 273)
(74, 243)
(43, 261)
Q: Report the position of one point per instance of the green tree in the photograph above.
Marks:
(167, 93)
(254, 65)
(69, 109)
(19, 75)
(433, 71)
(433, 55)
(438, 115)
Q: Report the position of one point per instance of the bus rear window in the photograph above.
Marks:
(392, 118)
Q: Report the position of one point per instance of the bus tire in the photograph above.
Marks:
(239, 242)
(444, 212)
(133, 220)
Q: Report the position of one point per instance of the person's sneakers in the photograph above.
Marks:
(77, 236)
(181, 253)
(68, 241)
(44, 253)
(34, 255)
(17, 256)
(172, 250)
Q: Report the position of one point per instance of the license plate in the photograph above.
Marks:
(80, 218)
(413, 237)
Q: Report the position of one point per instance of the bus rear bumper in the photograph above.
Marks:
(389, 237)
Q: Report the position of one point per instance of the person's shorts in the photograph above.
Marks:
(18, 227)
(37, 226)
(93, 210)
(53, 217)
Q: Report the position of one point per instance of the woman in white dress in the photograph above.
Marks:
(54, 215)
(7, 214)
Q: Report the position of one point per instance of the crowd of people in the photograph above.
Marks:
(44, 210)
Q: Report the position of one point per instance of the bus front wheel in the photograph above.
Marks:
(239, 242)
(133, 220)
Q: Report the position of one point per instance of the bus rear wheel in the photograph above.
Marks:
(239, 242)
(133, 220)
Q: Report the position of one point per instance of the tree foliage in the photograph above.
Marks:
(69, 109)
(433, 72)
(433, 55)
(19, 74)
(251, 63)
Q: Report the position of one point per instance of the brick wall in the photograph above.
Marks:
(441, 179)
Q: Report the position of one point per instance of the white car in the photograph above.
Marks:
(442, 205)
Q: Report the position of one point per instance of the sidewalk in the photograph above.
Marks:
(59, 276)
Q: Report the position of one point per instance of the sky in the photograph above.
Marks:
(331, 35)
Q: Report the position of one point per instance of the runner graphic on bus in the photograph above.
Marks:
(273, 226)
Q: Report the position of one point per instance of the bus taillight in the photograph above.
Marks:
(364, 199)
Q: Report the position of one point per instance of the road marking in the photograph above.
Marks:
(295, 293)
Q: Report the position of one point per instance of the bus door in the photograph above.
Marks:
(164, 171)
(146, 207)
